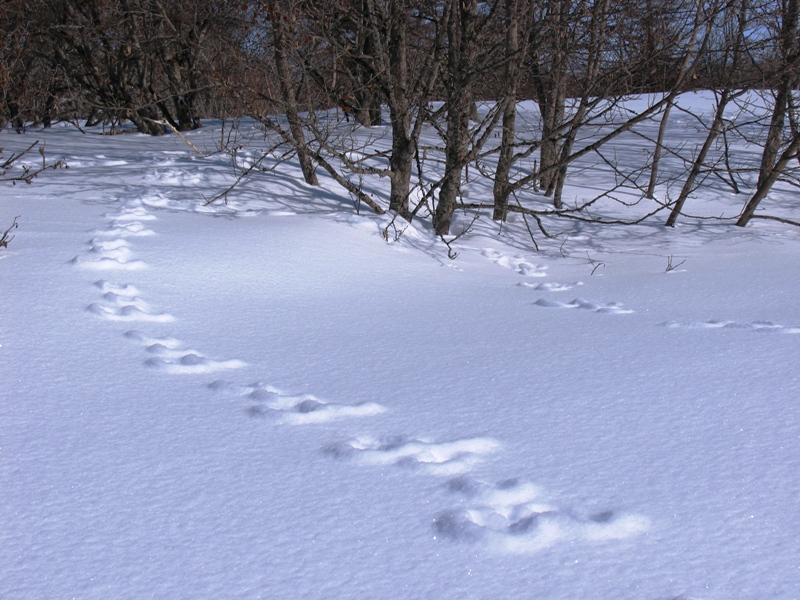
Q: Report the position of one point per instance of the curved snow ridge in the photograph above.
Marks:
(124, 300)
(125, 228)
(516, 263)
(126, 290)
(101, 161)
(97, 245)
(134, 309)
(175, 176)
(112, 254)
(613, 308)
(133, 212)
(306, 409)
(171, 356)
(443, 458)
(146, 340)
(109, 264)
(122, 303)
(511, 516)
(714, 324)
(192, 363)
(152, 198)
(550, 286)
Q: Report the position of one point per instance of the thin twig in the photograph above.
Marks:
(5, 239)
(779, 219)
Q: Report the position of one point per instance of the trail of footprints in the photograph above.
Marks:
(110, 252)
(516, 263)
(765, 326)
(527, 269)
(519, 264)
(510, 516)
(448, 458)
(612, 309)
(515, 516)
(266, 401)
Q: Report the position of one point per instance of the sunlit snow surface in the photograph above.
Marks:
(288, 406)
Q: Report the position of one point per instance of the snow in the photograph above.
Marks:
(265, 399)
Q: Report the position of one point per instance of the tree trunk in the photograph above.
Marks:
(772, 144)
(502, 188)
(551, 106)
(713, 133)
(401, 163)
(288, 93)
(462, 49)
(550, 83)
(598, 37)
(788, 47)
(662, 130)
(146, 121)
(367, 108)
(791, 152)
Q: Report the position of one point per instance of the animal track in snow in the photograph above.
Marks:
(511, 516)
(122, 303)
(109, 255)
(144, 339)
(550, 286)
(101, 161)
(446, 458)
(125, 228)
(187, 362)
(304, 409)
(517, 263)
(173, 176)
(126, 308)
(131, 214)
(121, 290)
(714, 324)
(170, 356)
(613, 308)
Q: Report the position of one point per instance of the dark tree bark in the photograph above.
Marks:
(792, 152)
(788, 79)
(462, 48)
(551, 46)
(289, 90)
(505, 159)
(697, 166)
(400, 64)
(142, 60)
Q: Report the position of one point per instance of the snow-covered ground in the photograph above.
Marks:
(265, 399)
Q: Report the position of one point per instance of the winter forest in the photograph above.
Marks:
(312, 74)
(406, 299)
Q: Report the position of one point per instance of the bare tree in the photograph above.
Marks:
(27, 171)
(787, 62)
(6, 236)
(657, 41)
(463, 29)
(27, 80)
(505, 159)
(602, 69)
(784, 23)
(142, 60)
(391, 52)
(552, 43)
(290, 88)
(736, 24)
(787, 69)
